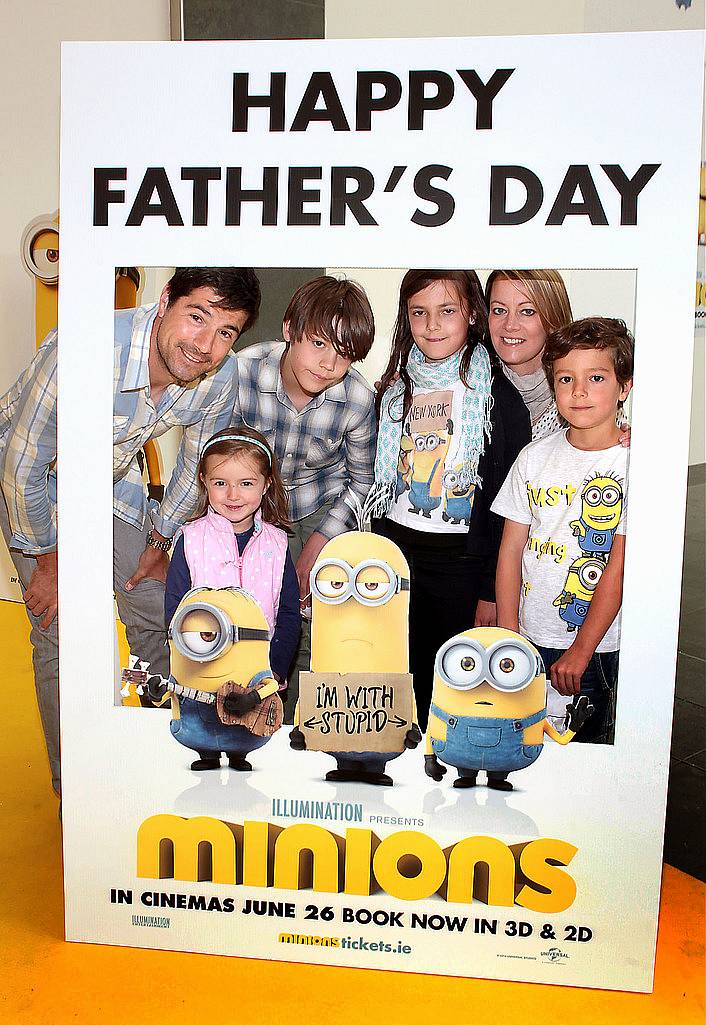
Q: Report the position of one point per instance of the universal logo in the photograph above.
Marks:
(554, 955)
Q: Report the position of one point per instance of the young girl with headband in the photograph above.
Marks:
(236, 538)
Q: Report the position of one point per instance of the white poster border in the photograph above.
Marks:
(169, 105)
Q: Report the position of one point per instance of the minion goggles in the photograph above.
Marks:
(507, 665)
(207, 645)
(374, 592)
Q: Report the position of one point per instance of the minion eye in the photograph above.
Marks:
(201, 642)
(590, 573)
(610, 495)
(432, 442)
(330, 588)
(420, 444)
(372, 588)
(374, 582)
(461, 666)
(593, 496)
(511, 667)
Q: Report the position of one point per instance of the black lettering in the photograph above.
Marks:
(365, 103)
(200, 176)
(418, 102)
(485, 92)
(500, 174)
(236, 195)
(629, 188)
(243, 101)
(342, 200)
(155, 180)
(320, 85)
(103, 194)
(298, 195)
(444, 201)
(577, 177)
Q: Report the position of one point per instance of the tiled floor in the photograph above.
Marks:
(684, 845)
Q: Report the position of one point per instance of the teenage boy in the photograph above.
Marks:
(172, 367)
(318, 415)
(560, 568)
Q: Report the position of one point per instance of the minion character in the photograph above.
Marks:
(403, 465)
(223, 695)
(360, 616)
(488, 708)
(39, 249)
(428, 458)
(581, 581)
(601, 508)
(458, 497)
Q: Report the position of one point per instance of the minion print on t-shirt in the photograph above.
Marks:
(430, 494)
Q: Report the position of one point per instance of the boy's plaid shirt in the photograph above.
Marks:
(28, 435)
(325, 451)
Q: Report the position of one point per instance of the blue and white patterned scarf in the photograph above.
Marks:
(474, 427)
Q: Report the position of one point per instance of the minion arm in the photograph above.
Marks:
(560, 738)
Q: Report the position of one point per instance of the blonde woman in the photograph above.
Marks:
(524, 306)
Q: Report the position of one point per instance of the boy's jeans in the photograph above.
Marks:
(599, 683)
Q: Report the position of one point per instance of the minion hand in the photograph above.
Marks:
(240, 704)
(577, 713)
(434, 768)
(412, 737)
(156, 688)
(297, 741)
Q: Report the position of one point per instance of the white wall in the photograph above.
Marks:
(31, 32)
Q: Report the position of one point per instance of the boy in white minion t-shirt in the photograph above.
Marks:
(560, 567)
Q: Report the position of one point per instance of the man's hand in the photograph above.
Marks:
(153, 564)
(486, 614)
(305, 562)
(567, 671)
(41, 594)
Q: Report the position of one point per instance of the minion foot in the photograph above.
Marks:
(342, 776)
(239, 763)
(378, 779)
(500, 784)
(204, 764)
(464, 782)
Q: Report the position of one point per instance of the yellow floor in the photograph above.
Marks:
(45, 981)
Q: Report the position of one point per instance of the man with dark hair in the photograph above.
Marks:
(172, 368)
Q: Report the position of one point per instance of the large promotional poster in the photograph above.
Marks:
(482, 823)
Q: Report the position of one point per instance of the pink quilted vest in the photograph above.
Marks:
(212, 557)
